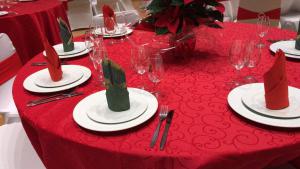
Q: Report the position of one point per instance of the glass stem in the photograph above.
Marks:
(142, 81)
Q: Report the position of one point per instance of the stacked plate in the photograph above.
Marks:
(2, 13)
(93, 113)
(79, 50)
(288, 47)
(73, 75)
(117, 33)
(249, 101)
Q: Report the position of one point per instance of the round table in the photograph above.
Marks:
(205, 132)
(27, 20)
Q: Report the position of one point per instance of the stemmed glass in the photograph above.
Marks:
(253, 55)
(140, 61)
(156, 70)
(237, 59)
(263, 24)
(94, 43)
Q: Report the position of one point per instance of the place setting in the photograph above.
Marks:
(69, 48)
(291, 48)
(118, 107)
(272, 102)
(56, 77)
(115, 24)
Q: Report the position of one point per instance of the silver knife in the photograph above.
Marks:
(53, 98)
(165, 134)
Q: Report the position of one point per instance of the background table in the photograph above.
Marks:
(205, 133)
(23, 27)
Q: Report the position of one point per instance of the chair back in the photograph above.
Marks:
(7, 48)
(16, 150)
(9, 59)
(249, 9)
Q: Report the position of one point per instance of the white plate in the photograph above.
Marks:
(99, 111)
(2, 13)
(70, 75)
(81, 118)
(254, 99)
(288, 47)
(118, 34)
(84, 51)
(29, 84)
(235, 102)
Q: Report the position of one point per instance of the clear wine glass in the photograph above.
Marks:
(140, 61)
(237, 59)
(263, 25)
(98, 54)
(253, 55)
(156, 71)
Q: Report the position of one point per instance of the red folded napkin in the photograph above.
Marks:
(53, 62)
(276, 85)
(109, 17)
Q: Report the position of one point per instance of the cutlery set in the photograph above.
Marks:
(163, 115)
(52, 98)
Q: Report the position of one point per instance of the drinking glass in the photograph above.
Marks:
(237, 59)
(253, 54)
(140, 61)
(263, 24)
(156, 71)
(98, 54)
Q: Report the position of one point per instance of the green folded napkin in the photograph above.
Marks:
(65, 35)
(117, 95)
(297, 44)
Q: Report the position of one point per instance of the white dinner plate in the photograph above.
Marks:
(2, 13)
(29, 84)
(81, 118)
(117, 34)
(81, 50)
(254, 99)
(288, 47)
(235, 102)
(70, 75)
(99, 111)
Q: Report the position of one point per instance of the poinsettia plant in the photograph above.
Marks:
(175, 16)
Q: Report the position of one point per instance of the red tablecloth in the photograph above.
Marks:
(23, 29)
(205, 133)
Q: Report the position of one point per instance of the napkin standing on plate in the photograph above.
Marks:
(297, 44)
(117, 95)
(65, 35)
(53, 62)
(109, 17)
(276, 85)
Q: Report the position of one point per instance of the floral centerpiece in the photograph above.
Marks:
(178, 17)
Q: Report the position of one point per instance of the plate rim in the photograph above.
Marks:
(78, 78)
(72, 55)
(273, 49)
(129, 31)
(78, 116)
(291, 91)
(28, 82)
(102, 92)
(238, 108)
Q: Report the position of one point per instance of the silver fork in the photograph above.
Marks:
(162, 116)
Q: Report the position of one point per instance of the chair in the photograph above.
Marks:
(228, 13)
(9, 65)
(290, 16)
(16, 151)
(249, 9)
(79, 14)
(126, 8)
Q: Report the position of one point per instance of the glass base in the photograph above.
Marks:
(250, 79)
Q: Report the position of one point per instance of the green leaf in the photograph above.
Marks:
(156, 6)
(160, 31)
(177, 2)
(211, 2)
